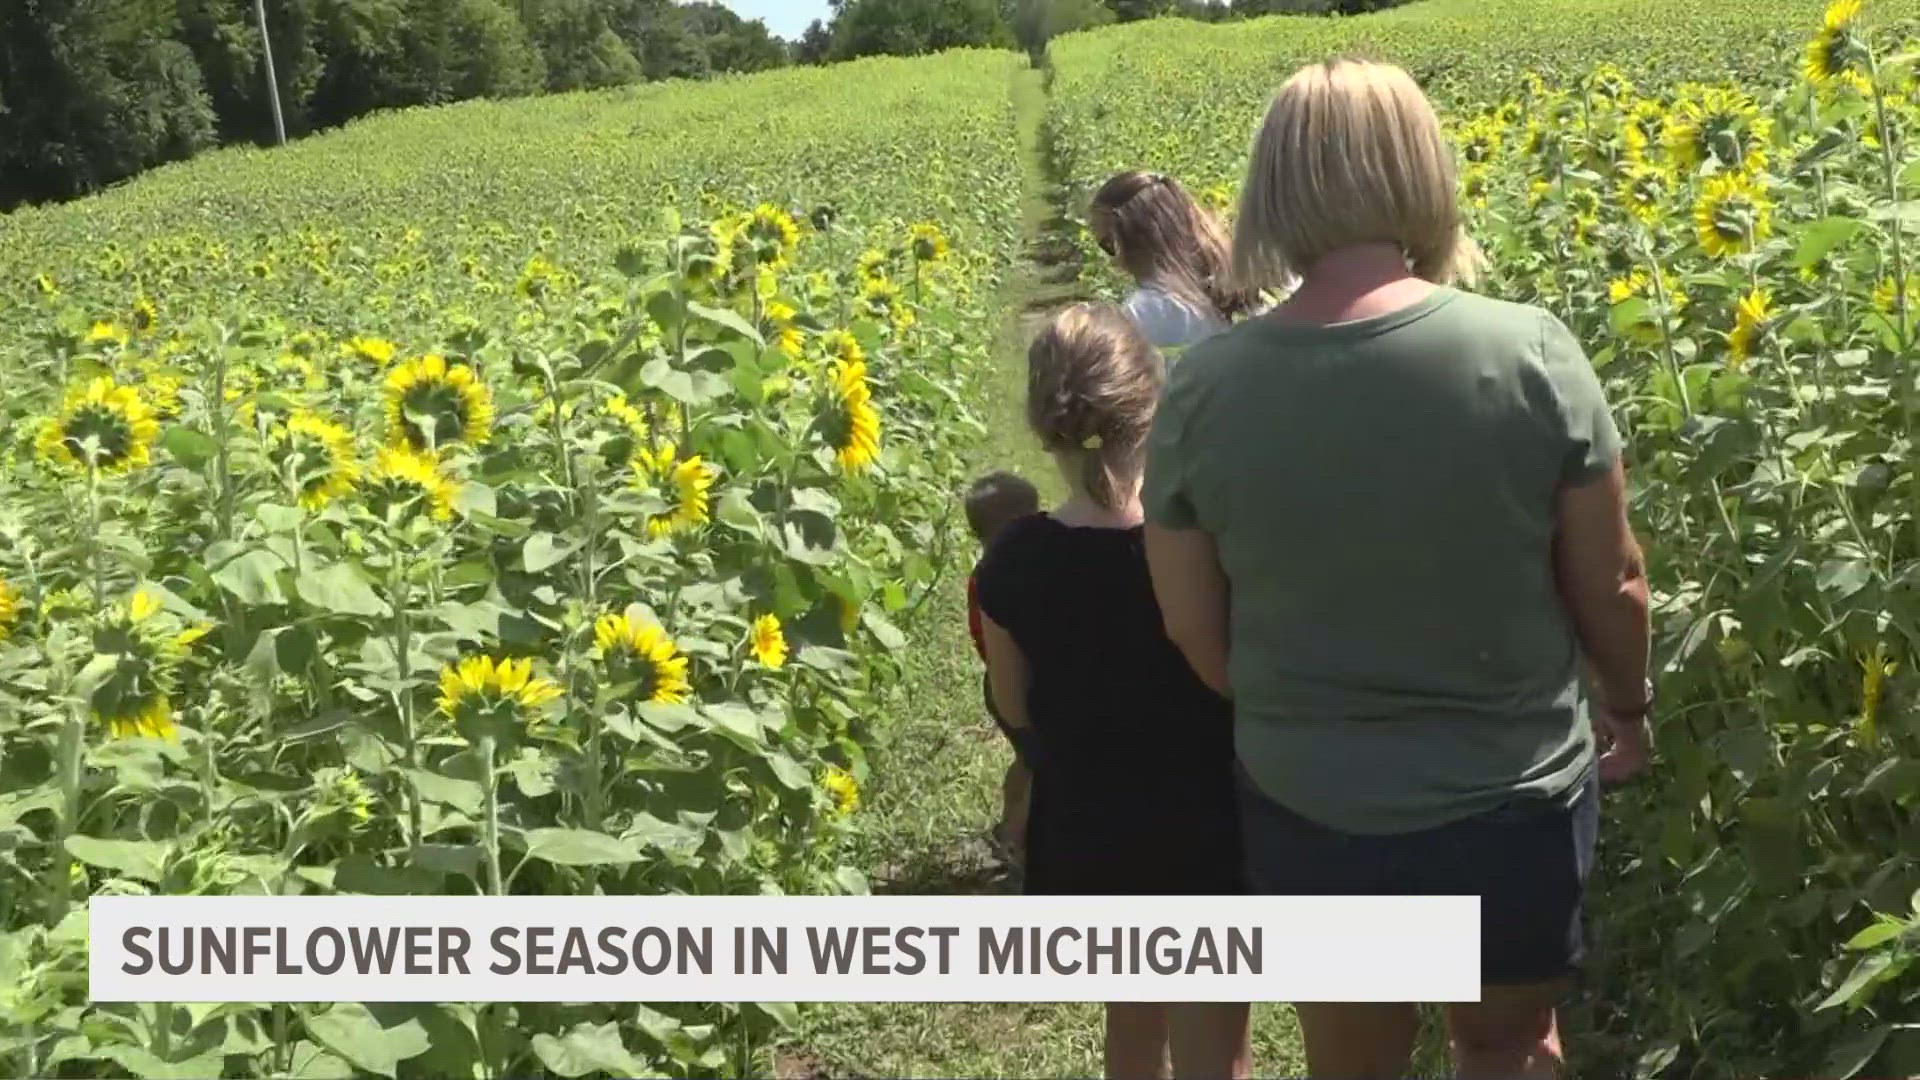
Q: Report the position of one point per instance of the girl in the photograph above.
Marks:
(1176, 251)
(1131, 754)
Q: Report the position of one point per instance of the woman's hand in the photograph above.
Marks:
(1626, 744)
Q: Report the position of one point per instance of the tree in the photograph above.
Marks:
(815, 45)
(581, 51)
(1132, 10)
(915, 27)
(1036, 22)
(93, 91)
(732, 43)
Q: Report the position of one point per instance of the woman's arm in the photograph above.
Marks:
(1192, 590)
(1603, 581)
(1006, 674)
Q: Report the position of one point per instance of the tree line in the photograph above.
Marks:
(93, 91)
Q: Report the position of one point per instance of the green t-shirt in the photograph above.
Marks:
(1383, 495)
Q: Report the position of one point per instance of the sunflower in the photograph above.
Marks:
(1732, 216)
(450, 397)
(370, 350)
(842, 788)
(145, 316)
(1719, 124)
(1641, 135)
(928, 243)
(107, 333)
(630, 429)
(9, 610)
(768, 643)
(1640, 284)
(1886, 296)
(402, 478)
(162, 388)
(787, 335)
(1480, 140)
(881, 299)
(843, 347)
(849, 421)
(1585, 204)
(688, 481)
(1609, 84)
(1644, 191)
(873, 265)
(1475, 185)
(641, 652)
(1836, 56)
(480, 694)
(45, 283)
(316, 455)
(1749, 325)
(541, 278)
(101, 424)
(134, 697)
(774, 233)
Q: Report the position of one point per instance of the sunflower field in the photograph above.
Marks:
(1721, 213)
(505, 498)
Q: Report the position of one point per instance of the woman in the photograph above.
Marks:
(1177, 254)
(1388, 518)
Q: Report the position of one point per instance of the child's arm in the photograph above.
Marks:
(1007, 674)
(1191, 588)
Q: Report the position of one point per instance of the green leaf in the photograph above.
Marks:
(253, 577)
(788, 771)
(661, 375)
(474, 497)
(341, 589)
(463, 795)
(887, 634)
(1817, 238)
(543, 550)
(782, 1013)
(149, 1066)
(311, 1061)
(1855, 1053)
(587, 1049)
(728, 319)
(1879, 933)
(141, 859)
(1859, 983)
(351, 1031)
(188, 446)
(579, 847)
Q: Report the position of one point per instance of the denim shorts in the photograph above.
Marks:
(1528, 862)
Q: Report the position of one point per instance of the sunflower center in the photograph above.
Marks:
(1732, 219)
(112, 436)
(641, 671)
(433, 409)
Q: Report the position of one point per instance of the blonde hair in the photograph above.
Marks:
(1092, 383)
(1350, 152)
(1164, 237)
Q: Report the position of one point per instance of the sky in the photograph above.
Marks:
(787, 18)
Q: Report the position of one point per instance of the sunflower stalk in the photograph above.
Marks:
(1909, 395)
(403, 645)
(490, 792)
(73, 733)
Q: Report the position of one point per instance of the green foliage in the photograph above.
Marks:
(93, 89)
(679, 266)
(96, 90)
(917, 27)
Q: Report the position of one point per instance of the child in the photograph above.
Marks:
(993, 502)
(1176, 251)
(1132, 755)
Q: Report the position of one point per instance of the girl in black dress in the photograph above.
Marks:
(1132, 755)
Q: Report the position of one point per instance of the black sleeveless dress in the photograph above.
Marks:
(1132, 755)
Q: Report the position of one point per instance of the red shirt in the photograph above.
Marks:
(973, 615)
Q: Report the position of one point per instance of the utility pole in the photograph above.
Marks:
(273, 84)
